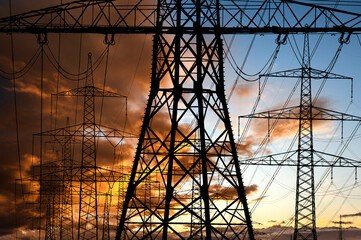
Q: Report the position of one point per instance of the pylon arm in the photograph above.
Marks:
(321, 159)
(318, 113)
(111, 17)
(326, 114)
(89, 90)
(97, 16)
(112, 176)
(299, 72)
(77, 131)
(103, 175)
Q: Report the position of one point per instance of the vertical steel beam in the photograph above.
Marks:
(305, 217)
(187, 93)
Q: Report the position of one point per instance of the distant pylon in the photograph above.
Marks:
(67, 217)
(303, 157)
(340, 237)
(83, 177)
(51, 191)
(106, 217)
(88, 224)
(187, 96)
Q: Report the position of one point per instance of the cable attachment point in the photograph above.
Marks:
(282, 40)
(109, 39)
(43, 39)
(355, 174)
(331, 174)
(344, 39)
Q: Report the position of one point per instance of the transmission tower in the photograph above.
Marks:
(304, 157)
(67, 212)
(186, 97)
(57, 189)
(340, 229)
(187, 92)
(86, 174)
(51, 192)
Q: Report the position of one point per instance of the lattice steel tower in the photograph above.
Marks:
(82, 178)
(305, 213)
(67, 212)
(187, 92)
(305, 157)
(186, 100)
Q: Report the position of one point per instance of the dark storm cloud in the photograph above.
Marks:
(358, 214)
(342, 222)
(128, 74)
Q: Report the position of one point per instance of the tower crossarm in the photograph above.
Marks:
(77, 131)
(313, 73)
(103, 131)
(318, 113)
(115, 17)
(321, 159)
(93, 16)
(104, 175)
(327, 114)
(111, 176)
(89, 90)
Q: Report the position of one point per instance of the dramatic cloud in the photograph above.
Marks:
(229, 193)
(246, 90)
(358, 214)
(258, 199)
(286, 128)
(245, 148)
(128, 74)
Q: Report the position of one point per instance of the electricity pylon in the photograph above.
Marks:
(304, 156)
(60, 176)
(87, 173)
(340, 230)
(190, 89)
(67, 216)
(187, 85)
(51, 192)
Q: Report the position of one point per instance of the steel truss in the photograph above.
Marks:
(305, 158)
(83, 177)
(113, 17)
(187, 85)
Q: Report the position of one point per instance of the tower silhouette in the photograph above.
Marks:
(67, 212)
(187, 93)
(304, 156)
(197, 169)
(84, 177)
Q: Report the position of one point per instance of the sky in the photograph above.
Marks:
(128, 73)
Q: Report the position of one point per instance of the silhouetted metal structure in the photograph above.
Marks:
(67, 212)
(187, 94)
(82, 178)
(305, 157)
(56, 178)
(51, 193)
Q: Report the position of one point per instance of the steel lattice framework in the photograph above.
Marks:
(187, 87)
(305, 157)
(67, 217)
(81, 178)
(51, 190)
